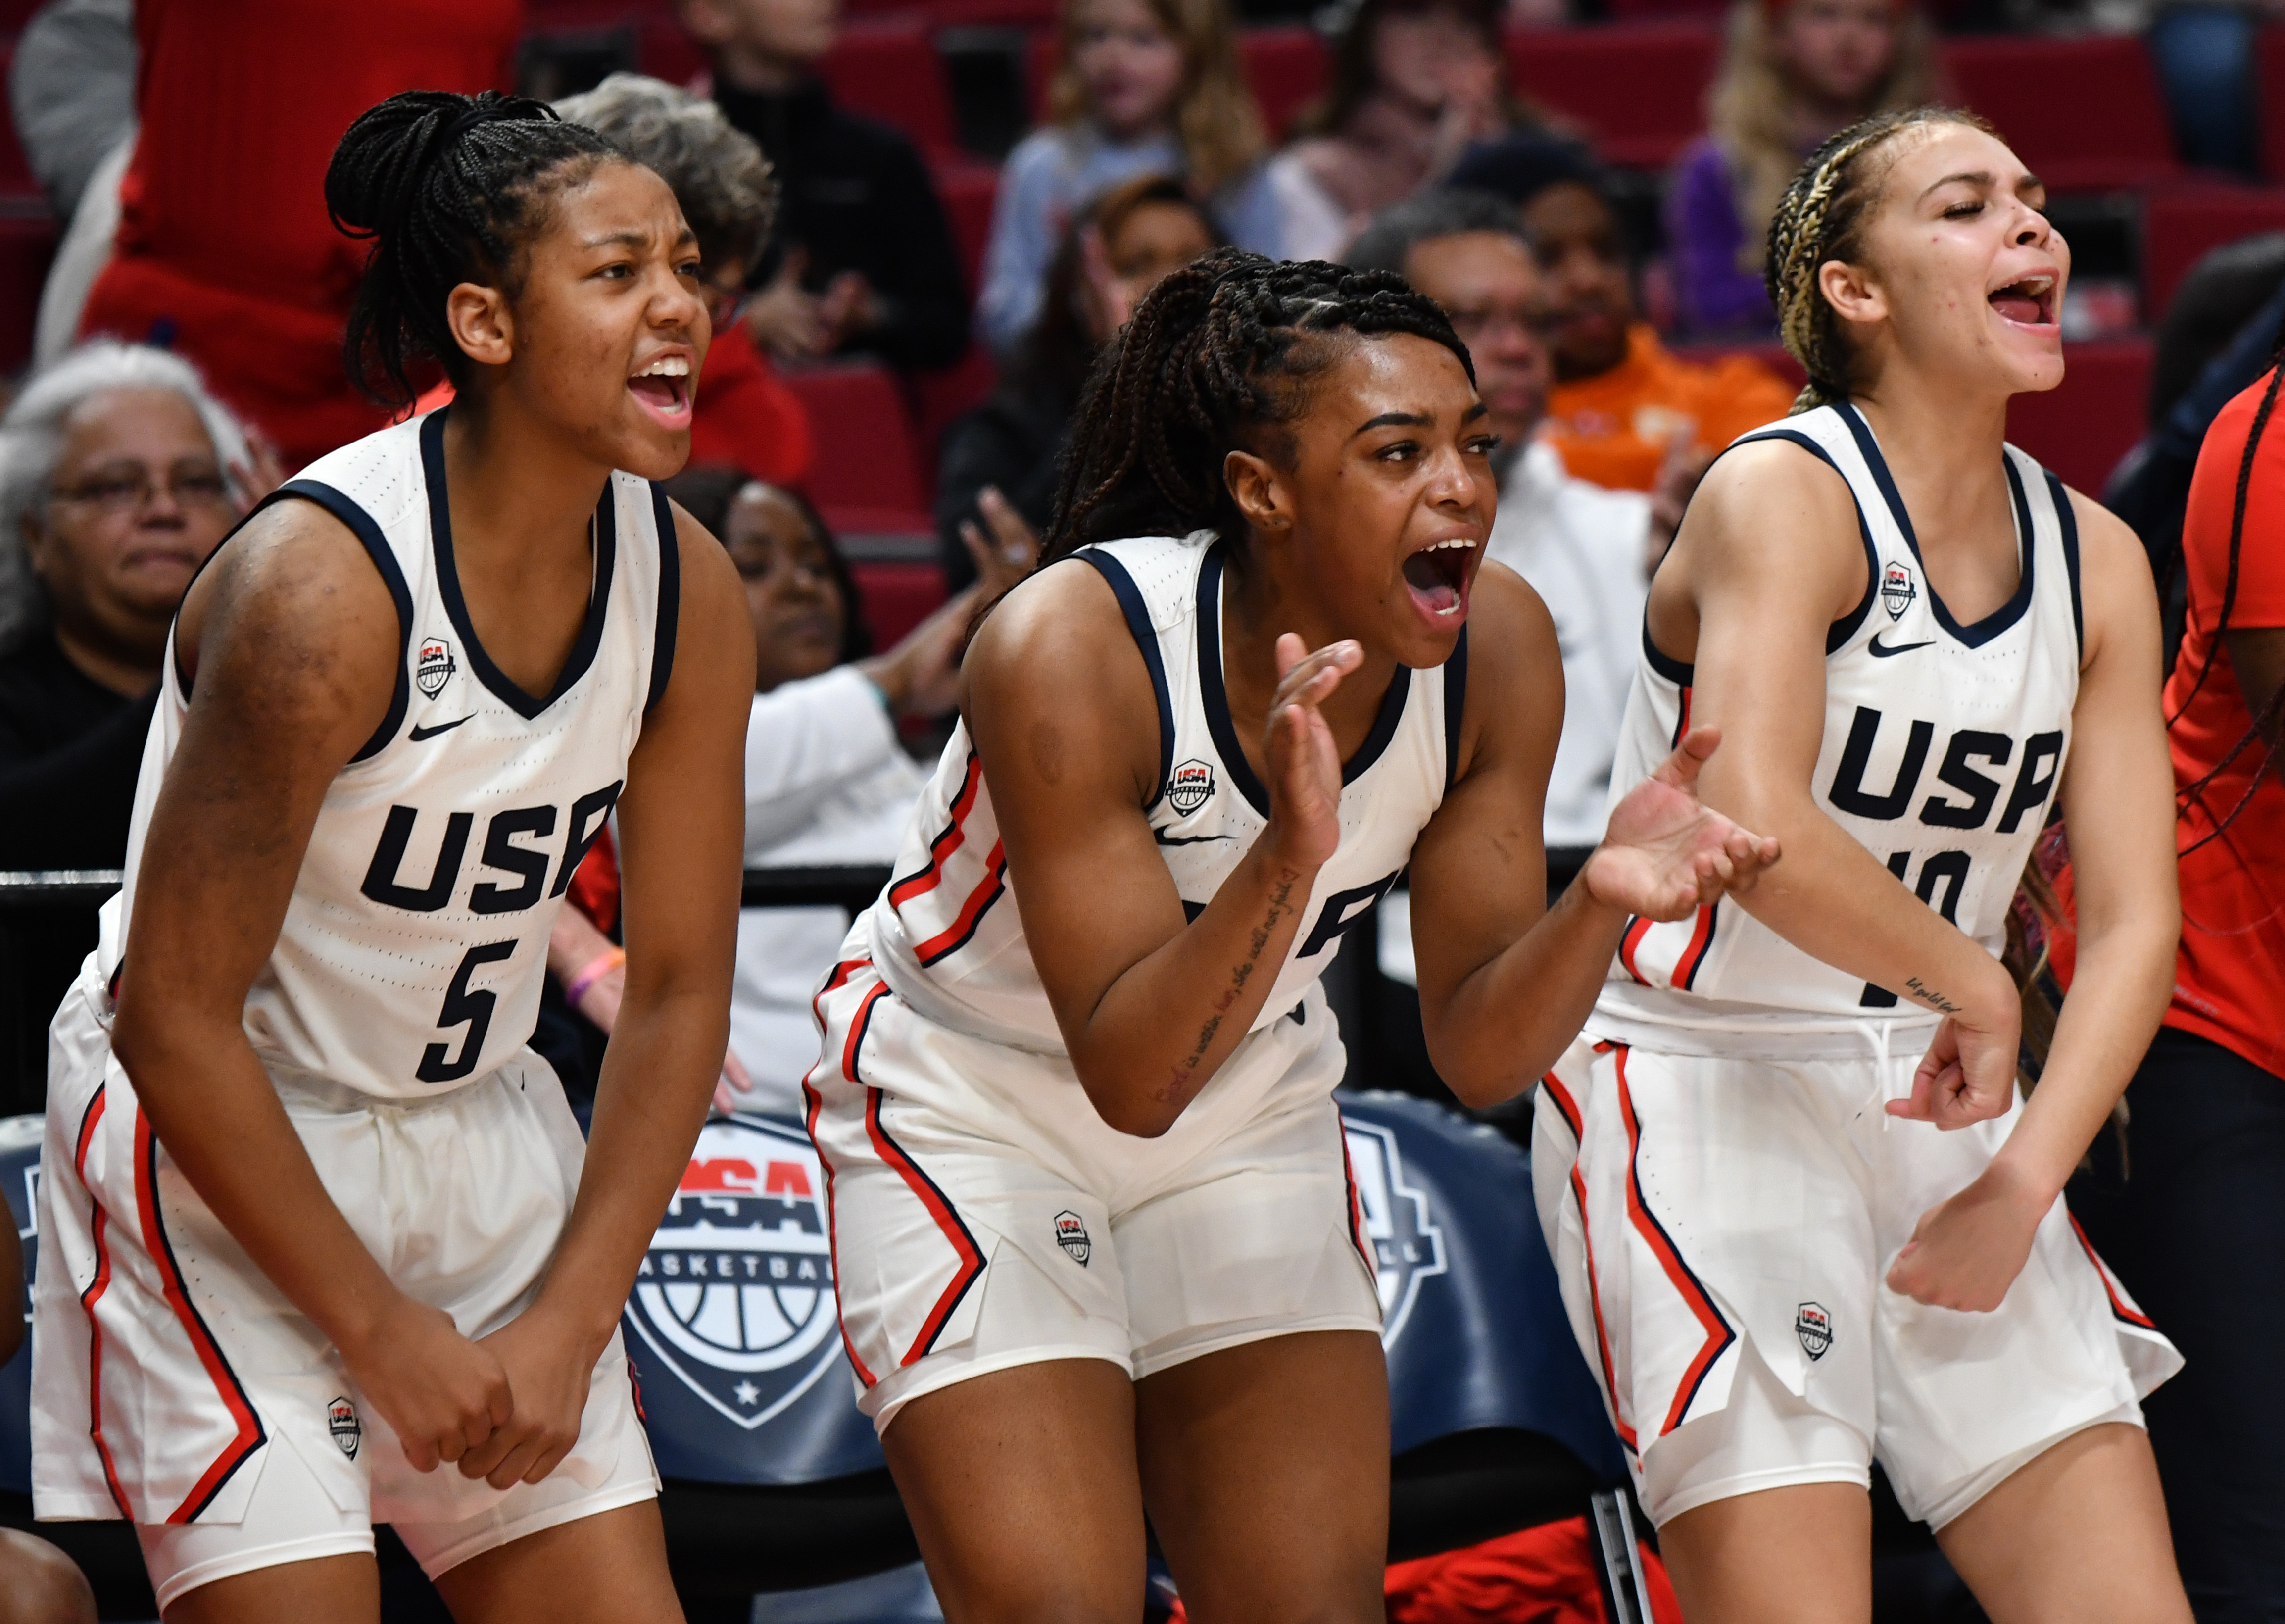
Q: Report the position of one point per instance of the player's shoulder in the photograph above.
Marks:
(1063, 622)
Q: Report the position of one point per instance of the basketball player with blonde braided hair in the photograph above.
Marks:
(1804, 1219)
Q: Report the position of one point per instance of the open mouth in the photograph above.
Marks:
(2029, 302)
(1437, 577)
(662, 389)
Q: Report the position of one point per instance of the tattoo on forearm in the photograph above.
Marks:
(1930, 996)
(1280, 905)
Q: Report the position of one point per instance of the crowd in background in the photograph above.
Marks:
(190, 337)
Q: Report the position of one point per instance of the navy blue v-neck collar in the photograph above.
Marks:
(447, 583)
(1215, 697)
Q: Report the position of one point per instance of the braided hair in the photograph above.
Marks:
(1217, 354)
(450, 188)
(1822, 217)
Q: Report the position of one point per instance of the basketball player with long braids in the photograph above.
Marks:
(1095, 1243)
(1804, 1219)
(321, 1245)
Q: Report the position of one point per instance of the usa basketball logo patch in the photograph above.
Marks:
(1071, 1234)
(1897, 591)
(1407, 1246)
(1191, 786)
(341, 1421)
(434, 667)
(1814, 1327)
(735, 1294)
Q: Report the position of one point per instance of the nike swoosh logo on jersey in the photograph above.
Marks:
(1186, 840)
(1880, 653)
(418, 734)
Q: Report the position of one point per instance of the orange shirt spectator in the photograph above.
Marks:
(225, 250)
(1615, 428)
(2229, 978)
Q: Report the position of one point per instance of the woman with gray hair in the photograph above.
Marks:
(119, 474)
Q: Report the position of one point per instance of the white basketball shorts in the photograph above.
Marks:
(173, 1384)
(1721, 1227)
(984, 1216)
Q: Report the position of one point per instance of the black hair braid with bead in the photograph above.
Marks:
(450, 189)
(1217, 355)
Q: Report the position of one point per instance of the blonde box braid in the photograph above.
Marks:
(1216, 359)
(1822, 218)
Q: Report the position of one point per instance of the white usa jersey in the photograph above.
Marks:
(946, 935)
(1943, 744)
(413, 949)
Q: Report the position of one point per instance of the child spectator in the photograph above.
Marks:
(864, 262)
(1622, 407)
(1793, 71)
(1142, 87)
(1415, 82)
(997, 477)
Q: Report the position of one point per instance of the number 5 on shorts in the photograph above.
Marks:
(475, 1009)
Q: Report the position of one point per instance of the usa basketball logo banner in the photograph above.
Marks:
(1408, 1247)
(736, 1295)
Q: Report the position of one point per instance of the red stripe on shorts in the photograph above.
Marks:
(88, 1300)
(250, 1434)
(2119, 1305)
(963, 1243)
(1357, 1235)
(1569, 1107)
(832, 1242)
(1718, 1334)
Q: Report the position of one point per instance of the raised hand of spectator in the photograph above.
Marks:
(1009, 554)
(787, 319)
(849, 305)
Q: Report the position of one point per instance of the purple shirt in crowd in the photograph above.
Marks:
(1703, 236)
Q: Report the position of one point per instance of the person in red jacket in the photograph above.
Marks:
(225, 250)
(2187, 1199)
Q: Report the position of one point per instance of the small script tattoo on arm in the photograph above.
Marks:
(1280, 905)
(1930, 996)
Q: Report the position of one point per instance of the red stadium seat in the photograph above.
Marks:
(867, 475)
(666, 51)
(2084, 426)
(897, 594)
(2269, 57)
(940, 396)
(15, 170)
(1637, 90)
(889, 70)
(1287, 69)
(2181, 226)
(1643, 10)
(2084, 113)
(967, 190)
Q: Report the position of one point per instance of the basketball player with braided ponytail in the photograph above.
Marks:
(1097, 1248)
(1804, 1219)
(323, 1247)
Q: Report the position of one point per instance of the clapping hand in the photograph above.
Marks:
(1665, 853)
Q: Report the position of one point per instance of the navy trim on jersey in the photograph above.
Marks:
(1837, 634)
(376, 547)
(1665, 664)
(670, 595)
(1456, 706)
(1211, 693)
(2066, 523)
(448, 582)
(2008, 612)
(1146, 639)
(1216, 698)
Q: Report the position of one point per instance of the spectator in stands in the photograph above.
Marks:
(864, 262)
(827, 781)
(1622, 408)
(1000, 462)
(38, 1583)
(225, 251)
(1415, 82)
(744, 414)
(1142, 88)
(119, 474)
(1586, 550)
(1793, 71)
